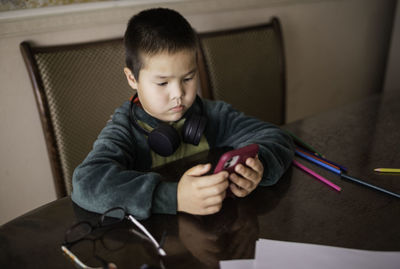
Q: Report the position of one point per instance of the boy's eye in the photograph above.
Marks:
(187, 79)
(162, 84)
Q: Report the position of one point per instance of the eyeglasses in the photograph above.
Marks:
(79, 232)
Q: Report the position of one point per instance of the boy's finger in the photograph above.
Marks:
(246, 172)
(239, 192)
(241, 182)
(255, 164)
(215, 200)
(212, 209)
(199, 170)
(211, 180)
(212, 185)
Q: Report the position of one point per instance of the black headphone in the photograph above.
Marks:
(165, 139)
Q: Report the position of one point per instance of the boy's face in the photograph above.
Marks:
(167, 84)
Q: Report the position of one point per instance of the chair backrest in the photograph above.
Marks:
(246, 68)
(77, 88)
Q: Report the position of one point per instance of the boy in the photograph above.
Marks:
(161, 66)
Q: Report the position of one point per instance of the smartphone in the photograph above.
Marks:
(230, 159)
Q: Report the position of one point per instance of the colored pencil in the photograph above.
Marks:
(314, 160)
(387, 170)
(359, 181)
(317, 176)
(318, 162)
(300, 142)
(322, 159)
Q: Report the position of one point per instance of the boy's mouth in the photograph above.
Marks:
(177, 108)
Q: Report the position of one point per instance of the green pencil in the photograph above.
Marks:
(303, 144)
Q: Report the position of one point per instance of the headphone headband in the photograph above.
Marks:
(132, 117)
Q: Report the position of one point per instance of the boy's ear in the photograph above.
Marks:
(131, 78)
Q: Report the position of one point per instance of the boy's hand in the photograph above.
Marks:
(247, 177)
(201, 195)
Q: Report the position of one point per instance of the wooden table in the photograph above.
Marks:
(361, 136)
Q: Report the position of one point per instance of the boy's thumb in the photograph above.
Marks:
(199, 169)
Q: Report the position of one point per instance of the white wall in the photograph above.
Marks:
(335, 54)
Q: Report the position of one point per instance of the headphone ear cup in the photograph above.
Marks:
(164, 140)
(193, 129)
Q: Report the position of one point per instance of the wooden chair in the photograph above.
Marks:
(246, 68)
(77, 87)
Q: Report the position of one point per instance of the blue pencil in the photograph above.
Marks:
(344, 169)
(317, 162)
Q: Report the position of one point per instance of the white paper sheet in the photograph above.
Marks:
(273, 254)
(237, 264)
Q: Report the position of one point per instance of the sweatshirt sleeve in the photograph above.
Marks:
(229, 127)
(108, 177)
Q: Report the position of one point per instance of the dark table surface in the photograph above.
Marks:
(361, 136)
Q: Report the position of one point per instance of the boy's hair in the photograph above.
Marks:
(153, 31)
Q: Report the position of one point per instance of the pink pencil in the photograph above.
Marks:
(317, 176)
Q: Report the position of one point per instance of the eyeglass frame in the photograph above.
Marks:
(72, 256)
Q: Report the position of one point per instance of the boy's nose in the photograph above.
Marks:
(177, 91)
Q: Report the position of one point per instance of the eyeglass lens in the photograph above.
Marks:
(112, 216)
(78, 231)
(84, 228)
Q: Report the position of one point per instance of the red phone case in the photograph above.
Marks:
(230, 159)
